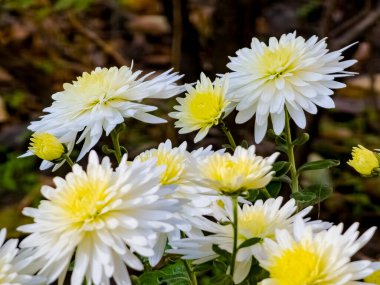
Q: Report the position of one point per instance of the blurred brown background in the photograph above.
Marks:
(46, 43)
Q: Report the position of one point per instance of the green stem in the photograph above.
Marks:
(266, 193)
(116, 144)
(68, 159)
(235, 233)
(190, 272)
(228, 134)
(290, 146)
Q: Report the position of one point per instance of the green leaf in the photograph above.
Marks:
(319, 164)
(303, 197)
(172, 274)
(280, 140)
(244, 144)
(225, 223)
(321, 193)
(252, 195)
(281, 168)
(274, 188)
(282, 148)
(249, 242)
(301, 139)
(223, 279)
(221, 252)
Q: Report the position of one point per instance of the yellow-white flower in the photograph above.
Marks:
(203, 107)
(287, 74)
(363, 160)
(259, 220)
(374, 278)
(302, 256)
(229, 174)
(14, 264)
(174, 160)
(102, 217)
(101, 100)
(195, 200)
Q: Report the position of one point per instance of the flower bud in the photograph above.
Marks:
(46, 146)
(364, 161)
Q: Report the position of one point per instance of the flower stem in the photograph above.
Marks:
(68, 159)
(266, 193)
(235, 233)
(290, 146)
(228, 134)
(116, 144)
(190, 272)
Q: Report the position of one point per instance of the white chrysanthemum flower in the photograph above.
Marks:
(304, 257)
(195, 199)
(227, 173)
(101, 100)
(259, 220)
(102, 217)
(14, 264)
(287, 74)
(203, 107)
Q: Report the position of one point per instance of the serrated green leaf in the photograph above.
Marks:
(172, 274)
(319, 164)
(301, 139)
(274, 188)
(202, 267)
(249, 242)
(321, 192)
(303, 196)
(222, 280)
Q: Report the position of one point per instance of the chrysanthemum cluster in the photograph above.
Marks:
(206, 206)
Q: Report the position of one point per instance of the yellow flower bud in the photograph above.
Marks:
(46, 146)
(363, 160)
(373, 278)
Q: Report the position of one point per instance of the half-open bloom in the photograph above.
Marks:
(230, 174)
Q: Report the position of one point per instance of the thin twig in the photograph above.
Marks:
(351, 21)
(326, 20)
(357, 29)
(107, 48)
(177, 34)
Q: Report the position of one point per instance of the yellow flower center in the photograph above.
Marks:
(363, 160)
(277, 62)
(373, 278)
(85, 200)
(228, 173)
(253, 223)
(206, 107)
(173, 160)
(46, 146)
(298, 266)
(98, 87)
